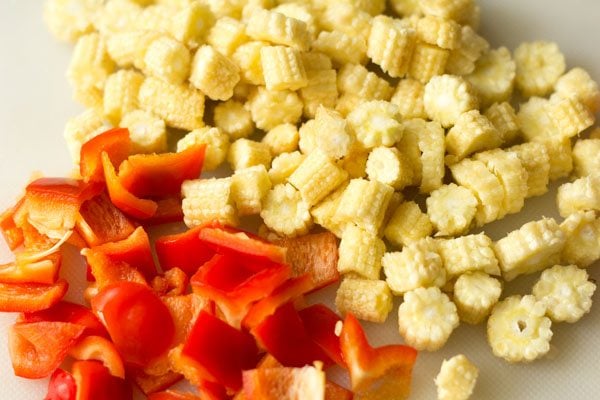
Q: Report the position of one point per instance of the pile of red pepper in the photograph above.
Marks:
(226, 312)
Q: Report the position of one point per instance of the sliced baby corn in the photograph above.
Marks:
(582, 230)
(539, 65)
(504, 118)
(456, 379)
(285, 212)
(536, 161)
(360, 252)
(451, 209)
(446, 97)
(582, 194)
(577, 83)
(206, 200)
(586, 157)
(391, 45)
(475, 293)
(432, 146)
(467, 254)
(248, 187)
(472, 132)
(494, 76)
(407, 224)
(217, 145)
(376, 123)
(369, 300)
(389, 166)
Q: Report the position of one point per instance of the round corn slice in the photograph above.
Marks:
(456, 379)
(388, 165)
(494, 76)
(376, 123)
(446, 97)
(167, 59)
(582, 247)
(451, 209)
(285, 212)
(539, 65)
(475, 294)
(217, 145)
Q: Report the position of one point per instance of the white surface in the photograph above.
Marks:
(35, 103)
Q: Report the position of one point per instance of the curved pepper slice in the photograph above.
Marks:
(168, 210)
(44, 270)
(62, 386)
(100, 222)
(183, 250)
(284, 383)
(160, 175)
(320, 322)
(94, 382)
(9, 229)
(29, 297)
(170, 395)
(99, 349)
(115, 142)
(153, 383)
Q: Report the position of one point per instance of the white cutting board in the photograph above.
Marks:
(35, 103)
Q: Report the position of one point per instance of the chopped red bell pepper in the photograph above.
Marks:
(37, 348)
(334, 391)
(94, 382)
(9, 229)
(105, 271)
(99, 349)
(320, 322)
(284, 383)
(115, 142)
(168, 210)
(100, 222)
(161, 175)
(152, 383)
(288, 291)
(44, 270)
(376, 373)
(62, 386)
(186, 366)
(33, 240)
(183, 250)
(29, 297)
(170, 395)
(122, 198)
(183, 309)
(284, 336)
(212, 391)
(173, 282)
(221, 351)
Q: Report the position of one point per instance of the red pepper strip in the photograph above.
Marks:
(288, 291)
(211, 391)
(152, 383)
(173, 282)
(77, 241)
(284, 383)
(62, 386)
(169, 210)
(161, 175)
(37, 348)
(334, 391)
(65, 311)
(115, 142)
(100, 222)
(9, 229)
(94, 382)
(106, 271)
(184, 250)
(29, 297)
(170, 395)
(99, 349)
(221, 351)
(376, 373)
(33, 240)
(183, 309)
(41, 271)
(234, 287)
(284, 336)
(186, 366)
(316, 254)
(320, 323)
(123, 199)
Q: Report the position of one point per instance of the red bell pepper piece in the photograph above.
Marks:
(122, 198)
(161, 175)
(29, 297)
(183, 250)
(115, 142)
(170, 395)
(105, 271)
(62, 386)
(284, 383)
(43, 271)
(9, 229)
(284, 336)
(37, 348)
(183, 309)
(168, 210)
(100, 222)
(139, 323)
(234, 287)
(334, 391)
(173, 282)
(212, 391)
(221, 351)
(99, 349)
(376, 373)
(316, 254)
(320, 323)
(94, 382)
(288, 291)
(153, 383)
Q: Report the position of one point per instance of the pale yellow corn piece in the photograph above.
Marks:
(409, 146)
(214, 74)
(566, 291)
(475, 294)
(242, 91)
(83, 127)
(391, 46)
(395, 201)
(328, 132)
(373, 7)
(539, 65)
(360, 252)
(317, 176)
(534, 119)
(586, 156)
(451, 9)
(494, 76)
(70, 19)
(456, 379)
(284, 165)
(345, 18)
(147, 132)
(315, 61)
(234, 119)
(427, 62)
(531, 248)
(206, 200)
(217, 145)
(324, 212)
(128, 48)
(446, 97)
(227, 35)
(167, 59)
(320, 90)
(468, 254)
(471, 133)
(341, 48)
(471, 16)
(475, 176)
(577, 83)
(355, 163)
(595, 133)
(249, 186)
(116, 16)
(89, 97)
(509, 170)
(376, 123)
(277, 28)
(518, 330)
(582, 247)
(282, 139)
(244, 153)
(407, 224)
(427, 318)
(409, 99)
(366, 299)
(90, 64)
(570, 116)
(463, 58)
(536, 161)
(301, 12)
(247, 58)
(282, 68)
(444, 33)
(504, 118)
(155, 17)
(560, 155)
(121, 93)
(270, 108)
(228, 8)
(451, 209)
(191, 23)
(582, 194)
(357, 80)
(406, 7)
(389, 166)
(285, 212)
(180, 106)
(364, 203)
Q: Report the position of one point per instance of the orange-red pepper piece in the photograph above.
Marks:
(115, 142)
(154, 383)
(94, 381)
(284, 383)
(44, 270)
(183, 250)
(100, 221)
(334, 391)
(99, 349)
(320, 321)
(171, 395)
(9, 229)
(29, 297)
(62, 386)
(168, 211)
